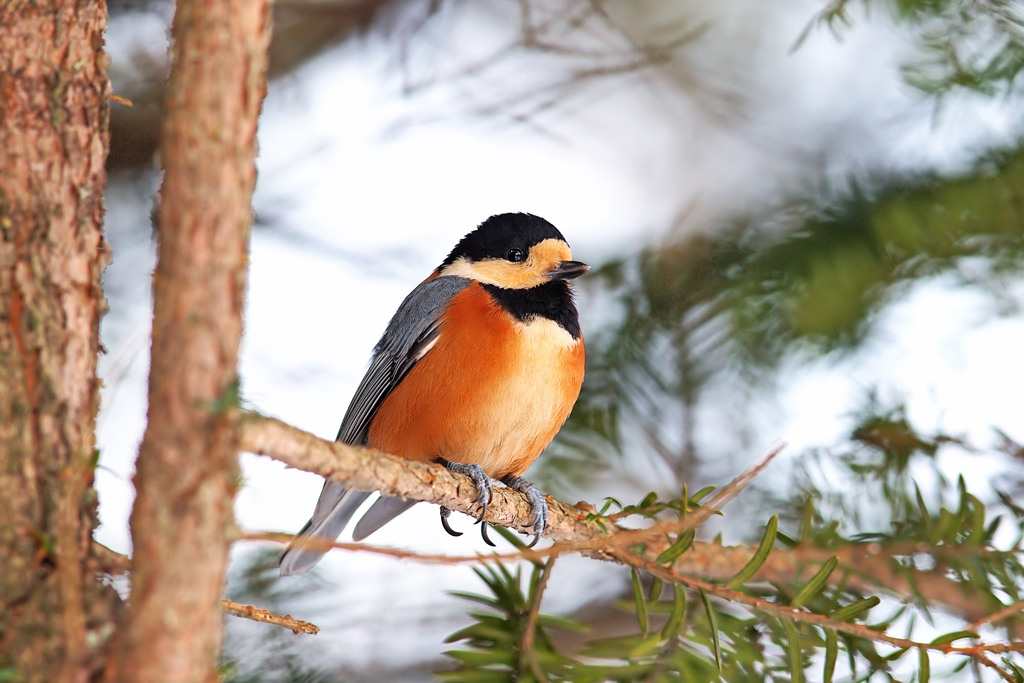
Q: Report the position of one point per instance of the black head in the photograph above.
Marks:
(513, 251)
(498, 235)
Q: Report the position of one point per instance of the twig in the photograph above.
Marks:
(289, 622)
(109, 561)
(997, 616)
(120, 100)
(526, 642)
(400, 554)
(696, 518)
(977, 652)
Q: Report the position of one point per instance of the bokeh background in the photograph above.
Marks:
(806, 222)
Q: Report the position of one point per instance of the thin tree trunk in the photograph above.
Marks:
(188, 467)
(54, 615)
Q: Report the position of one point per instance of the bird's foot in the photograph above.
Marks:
(484, 492)
(537, 502)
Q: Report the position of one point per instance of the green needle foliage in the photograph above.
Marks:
(510, 640)
(873, 601)
(974, 45)
(802, 285)
(875, 561)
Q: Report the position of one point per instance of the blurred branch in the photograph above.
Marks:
(526, 640)
(302, 29)
(107, 561)
(579, 42)
(287, 621)
(977, 651)
(583, 40)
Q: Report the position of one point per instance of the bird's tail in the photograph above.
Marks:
(333, 511)
(383, 510)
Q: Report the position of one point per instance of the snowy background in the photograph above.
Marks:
(378, 154)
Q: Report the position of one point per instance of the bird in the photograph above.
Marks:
(477, 371)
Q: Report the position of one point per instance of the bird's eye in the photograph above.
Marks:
(515, 256)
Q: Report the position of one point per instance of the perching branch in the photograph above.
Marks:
(369, 470)
(577, 528)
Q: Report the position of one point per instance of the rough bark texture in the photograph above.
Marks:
(54, 616)
(187, 469)
(575, 529)
(369, 470)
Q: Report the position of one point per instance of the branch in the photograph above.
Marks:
(103, 560)
(187, 469)
(574, 528)
(296, 626)
(577, 528)
(526, 639)
(369, 470)
(977, 651)
(106, 561)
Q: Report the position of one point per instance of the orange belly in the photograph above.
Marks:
(492, 391)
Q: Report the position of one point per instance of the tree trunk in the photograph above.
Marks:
(55, 617)
(187, 470)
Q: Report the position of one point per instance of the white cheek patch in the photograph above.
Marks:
(463, 268)
(536, 270)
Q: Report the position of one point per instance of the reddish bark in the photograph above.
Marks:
(54, 615)
(188, 467)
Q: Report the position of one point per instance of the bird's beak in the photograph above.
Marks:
(567, 270)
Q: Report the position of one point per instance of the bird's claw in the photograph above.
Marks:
(484, 492)
(483, 535)
(444, 522)
(538, 503)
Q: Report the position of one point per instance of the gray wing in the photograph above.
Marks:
(408, 337)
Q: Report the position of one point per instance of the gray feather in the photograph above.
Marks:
(383, 510)
(408, 337)
(327, 523)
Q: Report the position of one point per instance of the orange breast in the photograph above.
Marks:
(492, 391)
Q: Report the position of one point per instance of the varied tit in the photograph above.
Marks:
(477, 371)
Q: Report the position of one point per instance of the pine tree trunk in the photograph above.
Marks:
(55, 617)
(183, 517)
